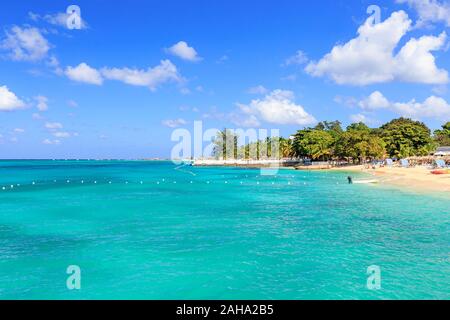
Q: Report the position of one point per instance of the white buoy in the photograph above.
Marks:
(226, 182)
(95, 182)
(4, 188)
(33, 183)
(12, 187)
(157, 182)
(82, 181)
(68, 181)
(142, 182)
(110, 182)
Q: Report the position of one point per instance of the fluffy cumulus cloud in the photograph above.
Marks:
(298, 58)
(53, 125)
(25, 44)
(369, 58)
(430, 11)
(166, 71)
(373, 102)
(41, 103)
(84, 73)
(277, 107)
(9, 101)
(174, 123)
(184, 51)
(62, 134)
(364, 118)
(432, 107)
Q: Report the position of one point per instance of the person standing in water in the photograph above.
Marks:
(350, 180)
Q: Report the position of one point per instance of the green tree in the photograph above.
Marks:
(286, 148)
(442, 137)
(313, 143)
(225, 145)
(405, 138)
(359, 142)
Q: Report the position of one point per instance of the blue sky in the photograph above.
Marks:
(137, 70)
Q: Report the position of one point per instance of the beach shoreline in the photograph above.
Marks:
(417, 179)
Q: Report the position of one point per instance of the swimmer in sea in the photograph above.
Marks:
(350, 180)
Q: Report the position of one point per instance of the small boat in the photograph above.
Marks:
(365, 181)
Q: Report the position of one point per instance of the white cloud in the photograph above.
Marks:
(51, 142)
(277, 107)
(358, 118)
(257, 90)
(174, 123)
(25, 44)
(84, 73)
(183, 51)
(369, 58)
(37, 116)
(53, 125)
(42, 103)
(9, 101)
(430, 11)
(152, 77)
(62, 134)
(298, 59)
(375, 101)
(19, 130)
(432, 107)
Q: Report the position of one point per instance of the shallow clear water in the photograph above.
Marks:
(297, 235)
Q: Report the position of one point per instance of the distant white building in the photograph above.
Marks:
(442, 151)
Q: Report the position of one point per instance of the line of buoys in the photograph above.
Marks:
(12, 186)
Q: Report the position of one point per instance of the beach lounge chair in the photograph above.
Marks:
(389, 162)
(440, 163)
(404, 163)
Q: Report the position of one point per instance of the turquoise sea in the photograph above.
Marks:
(150, 230)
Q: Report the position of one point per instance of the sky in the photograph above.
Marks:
(123, 75)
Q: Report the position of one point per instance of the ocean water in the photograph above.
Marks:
(150, 230)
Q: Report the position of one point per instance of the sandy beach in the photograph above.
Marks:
(417, 179)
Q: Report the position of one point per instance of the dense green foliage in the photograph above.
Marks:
(442, 137)
(406, 138)
(398, 138)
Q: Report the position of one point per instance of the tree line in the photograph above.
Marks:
(399, 138)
